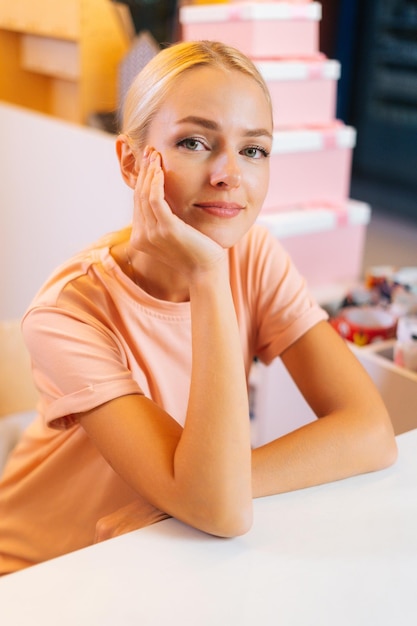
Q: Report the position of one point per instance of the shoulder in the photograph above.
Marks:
(257, 239)
(260, 245)
(259, 255)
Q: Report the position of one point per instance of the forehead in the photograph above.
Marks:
(218, 92)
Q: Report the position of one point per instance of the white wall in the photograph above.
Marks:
(60, 189)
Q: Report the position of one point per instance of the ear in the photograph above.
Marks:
(127, 161)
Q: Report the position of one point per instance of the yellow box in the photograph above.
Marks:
(42, 17)
(50, 56)
(52, 51)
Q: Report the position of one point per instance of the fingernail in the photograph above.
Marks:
(146, 152)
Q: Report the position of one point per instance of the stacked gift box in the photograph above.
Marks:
(307, 205)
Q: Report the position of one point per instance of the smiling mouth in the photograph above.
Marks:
(220, 209)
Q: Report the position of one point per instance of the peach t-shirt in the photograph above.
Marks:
(94, 335)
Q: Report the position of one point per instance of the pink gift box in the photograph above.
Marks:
(310, 167)
(258, 29)
(286, 1)
(303, 92)
(325, 244)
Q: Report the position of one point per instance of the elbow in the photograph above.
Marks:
(237, 525)
(384, 445)
(228, 523)
(389, 451)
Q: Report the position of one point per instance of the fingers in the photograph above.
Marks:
(158, 231)
(150, 182)
(143, 185)
(151, 210)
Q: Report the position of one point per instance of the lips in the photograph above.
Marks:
(220, 209)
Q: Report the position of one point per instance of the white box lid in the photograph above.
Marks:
(245, 11)
(309, 140)
(305, 221)
(317, 69)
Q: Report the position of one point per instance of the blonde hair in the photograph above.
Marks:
(153, 83)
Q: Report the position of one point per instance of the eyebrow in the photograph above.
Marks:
(211, 125)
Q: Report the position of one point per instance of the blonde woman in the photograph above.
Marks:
(142, 344)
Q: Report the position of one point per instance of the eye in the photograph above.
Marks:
(192, 143)
(255, 152)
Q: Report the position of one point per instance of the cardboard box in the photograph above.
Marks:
(303, 92)
(51, 57)
(258, 29)
(397, 385)
(310, 167)
(279, 407)
(325, 244)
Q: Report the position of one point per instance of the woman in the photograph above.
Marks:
(142, 345)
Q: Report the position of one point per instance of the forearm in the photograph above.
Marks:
(329, 449)
(213, 456)
(353, 433)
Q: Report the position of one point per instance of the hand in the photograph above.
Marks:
(135, 515)
(157, 231)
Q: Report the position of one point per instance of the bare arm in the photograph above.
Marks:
(354, 433)
(201, 474)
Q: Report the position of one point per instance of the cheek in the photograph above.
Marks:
(264, 187)
(175, 190)
(259, 182)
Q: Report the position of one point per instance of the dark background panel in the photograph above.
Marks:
(376, 43)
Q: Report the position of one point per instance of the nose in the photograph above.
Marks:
(226, 171)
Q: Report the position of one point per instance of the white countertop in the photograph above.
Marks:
(340, 554)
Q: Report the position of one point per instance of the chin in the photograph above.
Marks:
(225, 237)
(228, 233)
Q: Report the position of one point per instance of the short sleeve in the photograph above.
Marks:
(77, 363)
(282, 308)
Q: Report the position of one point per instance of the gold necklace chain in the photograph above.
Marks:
(131, 268)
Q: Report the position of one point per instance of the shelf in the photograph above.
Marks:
(397, 385)
(61, 59)
(42, 17)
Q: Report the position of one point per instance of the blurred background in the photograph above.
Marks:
(374, 40)
(64, 69)
(376, 43)
(73, 60)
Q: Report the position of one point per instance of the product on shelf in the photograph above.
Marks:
(405, 348)
(303, 91)
(310, 167)
(259, 29)
(307, 205)
(326, 244)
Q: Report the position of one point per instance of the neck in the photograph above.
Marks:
(157, 279)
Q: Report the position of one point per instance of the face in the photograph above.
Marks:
(214, 132)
